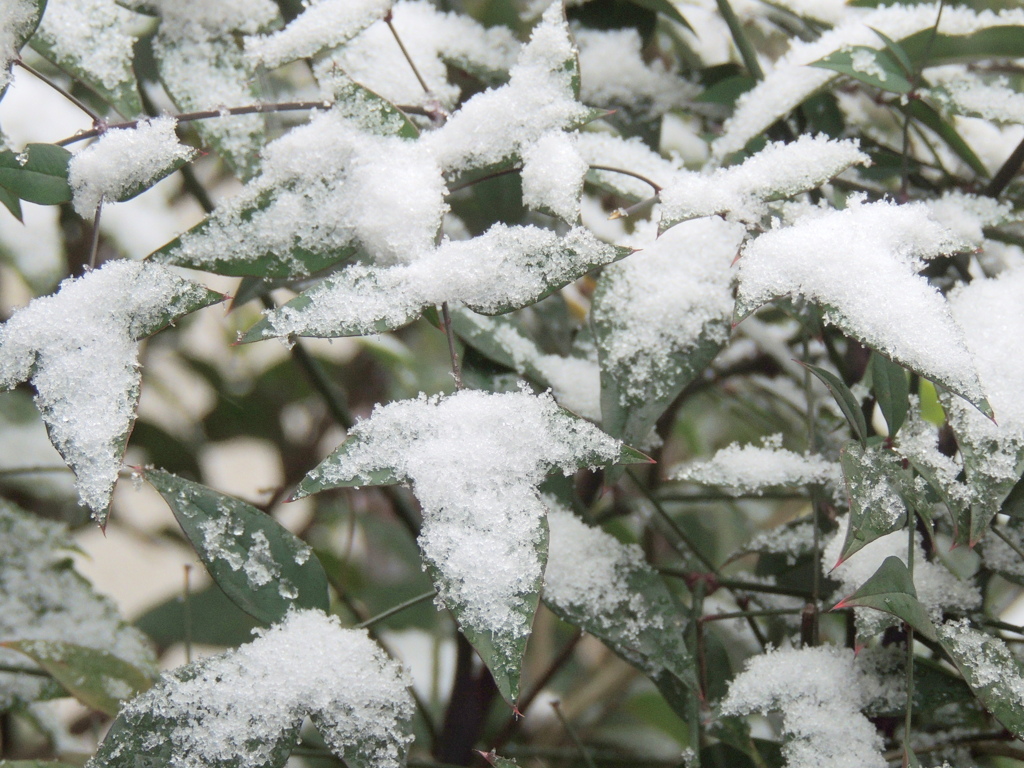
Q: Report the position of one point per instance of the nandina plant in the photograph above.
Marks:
(678, 382)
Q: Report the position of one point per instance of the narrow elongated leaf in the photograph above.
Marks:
(11, 202)
(873, 486)
(929, 117)
(263, 568)
(870, 66)
(927, 49)
(892, 590)
(897, 52)
(38, 174)
(95, 677)
(991, 670)
(892, 390)
(846, 400)
(665, 8)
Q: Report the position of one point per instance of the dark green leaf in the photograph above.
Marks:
(892, 590)
(123, 95)
(872, 477)
(499, 762)
(372, 112)
(927, 115)
(96, 678)
(262, 567)
(883, 71)
(12, 202)
(897, 52)
(665, 8)
(215, 620)
(39, 174)
(848, 403)
(892, 390)
(726, 91)
(926, 48)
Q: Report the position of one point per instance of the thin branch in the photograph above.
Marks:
(582, 750)
(396, 609)
(408, 58)
(654, 185)
(447, 321)
(94, 248)
(750, 614)
(683, 535)
(96, 119)
(747, 52)
(1006, 172)
(487, 177)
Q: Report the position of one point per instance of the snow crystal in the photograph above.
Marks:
(19, 16)
(552, 176)
(123, 160)
(860, 264)
(235, 708)
(628, 154)
(432, 38)
(500, 123)
(588, 571)
(664, 299)
(322, 24)
(967, 215)
(80, 349)
(820, 693)
(777, 171)
(475, 460)
(744, 469)
(506, 267)
(41, 598)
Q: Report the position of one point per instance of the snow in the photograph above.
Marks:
(860, 265)
(474, 461)
(820, 693)
(234, 708)
(629, 154)
(995, 100)
(505, 268)
(665, 300)
(778, 171)
(79, 347)
(18, 19)
(41, 598)
(988, 662)
(322, 24)
(746, 469)
(552, 176)
(966, 215)
(122, 160)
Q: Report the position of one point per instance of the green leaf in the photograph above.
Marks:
(990, 669)
(848, 403)
(892, 590)
(11, 202)
(897, 52)
(873, 486)
(727, 90)
(926, 48)
(96, 678)
(880, 69)
(259, 564)
(665, 8)
(498, 762)
(371, 111)
(892, 390)
(39, 174)
(215, 620)
(926, 114)
(1013, 504)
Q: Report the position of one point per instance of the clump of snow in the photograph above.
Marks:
(860, 265)
(744, 469)
(475, 461)
(501, 123)
(664, 301)
(967, 215)
(41, 598)
(123, 160)
(80, 350)
(322, 24)
(821, 693)
(19, 17)
(505, 268)
(994, 100)
(238, 707)
(777, 171)
(552, 176)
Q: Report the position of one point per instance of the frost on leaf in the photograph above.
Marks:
(874, 482)
(776, 172)
(244, 708)
(995, 100)
(753, 469)
(20, 18)
(860, 266)
(323, 24)
(124, 162)
(989, 311)
(79, 349)
(820, 692)
(503, 269)
(42, 598)
(475, 461)
(660, 317)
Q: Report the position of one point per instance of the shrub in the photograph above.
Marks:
(733, 309)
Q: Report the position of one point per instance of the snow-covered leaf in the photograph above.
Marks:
(990, 669)
(873, 486)
(475, 461)
(860, 265)
(20, 22)
(927, 115)
(892, 391)
(95, 677)
(79, 349)
(659, 318)
(44, 599)
(504, 269)
(264, 569)
(845, 399)
(892, 590)
(93, 41)
(878, 68)
(608, 589)
(244, 708)
(38, 174)
(742, 192)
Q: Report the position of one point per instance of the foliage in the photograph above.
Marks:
(678, 355)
